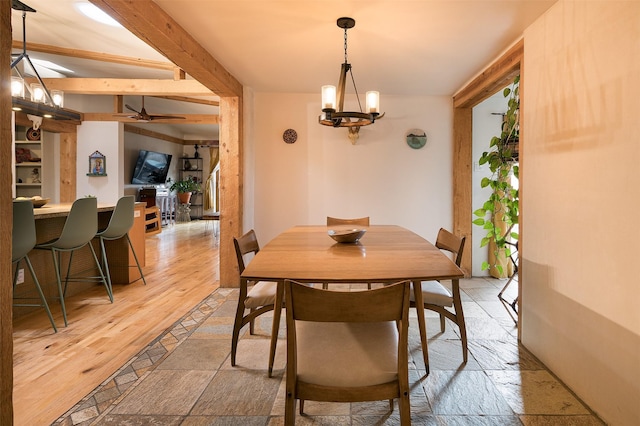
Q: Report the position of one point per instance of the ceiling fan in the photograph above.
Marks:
(143, 116)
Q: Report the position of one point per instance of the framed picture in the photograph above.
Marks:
(97, 164)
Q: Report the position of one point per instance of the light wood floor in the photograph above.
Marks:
(53, 371)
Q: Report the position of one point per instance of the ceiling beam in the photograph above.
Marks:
(151, 24)
(125, 86)
(95, 56)
(494, 78)
(188, 118)
(151, 134)
(191, 100)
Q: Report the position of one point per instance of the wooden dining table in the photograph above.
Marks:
(385, 254)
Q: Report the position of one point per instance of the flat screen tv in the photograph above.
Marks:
(151, 168)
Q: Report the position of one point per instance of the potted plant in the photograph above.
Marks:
(500, 212)
(185, 188)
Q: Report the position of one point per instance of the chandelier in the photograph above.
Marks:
(42, 101)
(336, 117)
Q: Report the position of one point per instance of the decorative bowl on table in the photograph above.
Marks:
(346, 235)
(39, 202)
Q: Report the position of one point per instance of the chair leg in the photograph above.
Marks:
(301, 402)
(457, 304)
(289, 409)
(252, 324)
(43, 299)
(136, 259)
(442, 321)
(56, 265)
(391, 405)
(107, 285)
(237, 325)
(105, 262)
(45, 305)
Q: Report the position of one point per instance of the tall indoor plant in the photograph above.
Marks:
(499, 214)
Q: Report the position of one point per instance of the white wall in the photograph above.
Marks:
(580, 230)
(323, 174)
(486, 125)
(106, 137)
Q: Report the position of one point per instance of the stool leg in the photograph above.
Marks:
(56, 266)
(136, 258)
(45, 305)
(104, 280)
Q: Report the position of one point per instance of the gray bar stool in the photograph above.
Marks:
(24, 240)
(119, 225)
(79, 229)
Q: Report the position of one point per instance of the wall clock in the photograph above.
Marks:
(416, 138)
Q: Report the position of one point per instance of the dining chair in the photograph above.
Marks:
(257, 296)
(340, 349)
(361, 221)
(119, 225)
(439, 298)
(80, 227)
(335, 221)
(24, 240)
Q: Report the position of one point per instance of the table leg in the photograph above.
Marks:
(417, 291)
(275, 328)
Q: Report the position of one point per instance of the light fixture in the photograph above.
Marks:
(333, 100)
(17, 86)
(42, 102)
(58, 97)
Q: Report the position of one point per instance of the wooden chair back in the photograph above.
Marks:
(451, 243)
(247, 243)
(307, 305)
(360, 221)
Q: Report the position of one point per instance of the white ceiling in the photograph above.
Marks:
(398, 47)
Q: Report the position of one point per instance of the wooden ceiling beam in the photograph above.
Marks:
(95, 56)
(188, 118)
(151, 24)
(496, 77)
(190, 100)
(125, 86)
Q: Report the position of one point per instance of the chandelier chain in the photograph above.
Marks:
(353, 80)
(345, 46)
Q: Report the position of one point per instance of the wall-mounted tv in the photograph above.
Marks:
(151, 168)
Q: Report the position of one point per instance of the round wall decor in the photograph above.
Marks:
(416, 138)
(290, 136)
(33, 134)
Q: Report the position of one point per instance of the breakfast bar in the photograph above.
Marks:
(50, 220)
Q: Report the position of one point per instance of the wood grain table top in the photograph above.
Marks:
(386, 253)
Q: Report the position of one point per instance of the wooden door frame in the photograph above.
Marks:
(492, 79)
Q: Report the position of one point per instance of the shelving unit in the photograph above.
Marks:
(28, 173)
(192, 166)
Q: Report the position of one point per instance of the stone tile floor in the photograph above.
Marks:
(185, 378)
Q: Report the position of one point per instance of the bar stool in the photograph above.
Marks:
(80, 227)
(119, 225)
(24, 240)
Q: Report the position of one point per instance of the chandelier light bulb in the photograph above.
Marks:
(373, 101)
(17, 87)
(328, 97)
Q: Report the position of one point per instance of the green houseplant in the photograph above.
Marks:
(499, 214)
(185, 188)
